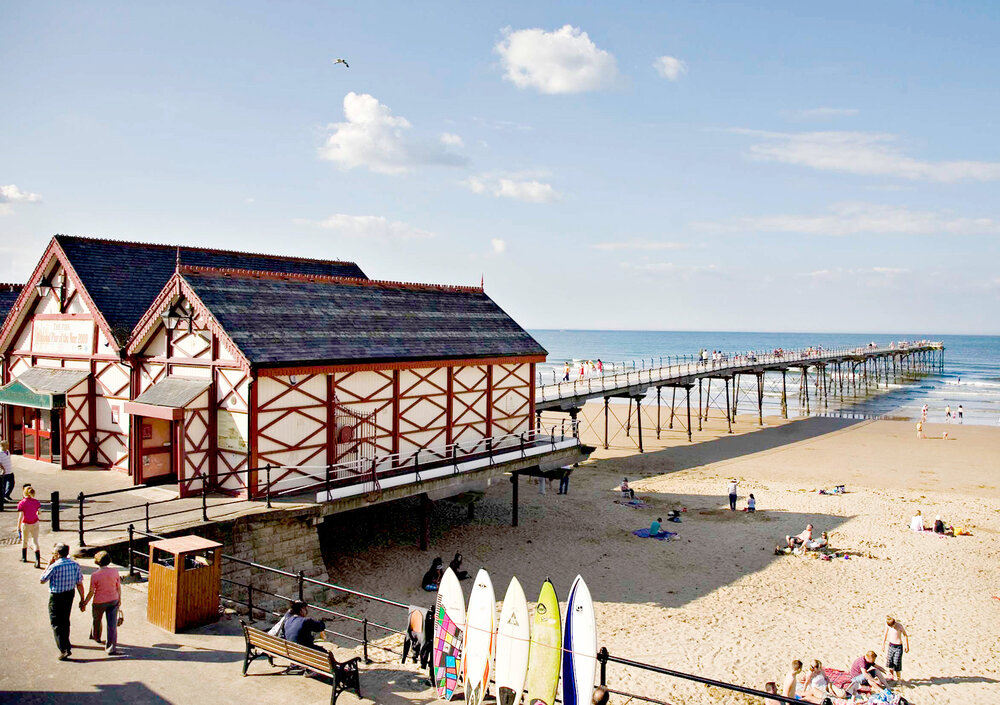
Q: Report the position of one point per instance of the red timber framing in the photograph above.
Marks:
(77, 336)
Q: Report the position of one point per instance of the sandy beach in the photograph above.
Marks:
(716, 601)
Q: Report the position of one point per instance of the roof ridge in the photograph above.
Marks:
(213, 250)
(355, 281)
(11, 285)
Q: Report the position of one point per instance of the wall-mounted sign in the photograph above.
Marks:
(65, 335)
(147, 431)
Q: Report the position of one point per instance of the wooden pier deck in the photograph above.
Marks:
(826, 372)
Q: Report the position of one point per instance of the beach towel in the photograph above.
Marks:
(632, 504)
(841, 679)
(661, 536)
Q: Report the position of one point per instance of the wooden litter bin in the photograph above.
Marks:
(184, 582)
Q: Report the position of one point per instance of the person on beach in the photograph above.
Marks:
(564, 481)
(432, 578)
(732, 494)
(27, 524)
(106, 591)
(751, 503)
(917, 522)
(960, 414)
(456, 567)
(63, 575)
(898, 642)
(822, 542)
(920, 430)
(801, 538)
(817, 687)
(947, 413)
(939, 525)
(923, 414)
(627, 492)
(566, 372)
(654, 528)
(791, 682)
(863, 671)
(6, 471)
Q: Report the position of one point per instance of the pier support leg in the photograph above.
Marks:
(576, 426)
(699, 403)
(658, 413)
(689, 412)
(605, 423)
(760, 398)
(426, 507)
(736, 393)
(708, 397)
(729, 416)
(638, 420)
(628, 420)
(784, 396)
(513, 497)
(673, 403)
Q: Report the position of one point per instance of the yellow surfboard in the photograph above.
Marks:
(545, 648)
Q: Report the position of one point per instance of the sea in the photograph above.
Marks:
(971, 376)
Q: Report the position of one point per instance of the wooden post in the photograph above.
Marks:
(688, 389)
(760, 398)
(658, 413)
(699, 403)
(628, 420)
(784, 396)
(673, 402)
(638, 419)
(729, 417)
(605, 424)
(513, 498)
(708, 397)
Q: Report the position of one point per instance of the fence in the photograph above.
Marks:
(364, 625)
(330, 481)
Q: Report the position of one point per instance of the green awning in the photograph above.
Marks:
(41, 388)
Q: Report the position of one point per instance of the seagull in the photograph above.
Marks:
(341, 61)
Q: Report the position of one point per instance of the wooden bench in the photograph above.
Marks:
(344, 675)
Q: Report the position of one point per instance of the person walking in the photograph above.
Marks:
(898, 642)
(960, 414)
(947, 413)
(106, 592)
(63, 575)
(732, 494)
(564, 481)
(27, 524)
(6, 471)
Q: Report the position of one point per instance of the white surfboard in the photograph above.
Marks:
(513, 632)
(477, 656)
(449, 635)
(579, 646)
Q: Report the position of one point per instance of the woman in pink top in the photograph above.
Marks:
(27, 524)
(106, 591)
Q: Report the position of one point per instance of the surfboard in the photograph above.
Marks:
(544, 648)
(449, 634)
(579, 655)
(513, 632)
(477, 655)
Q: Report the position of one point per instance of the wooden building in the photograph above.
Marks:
(199, 366)
(239, 369)
(68, 331)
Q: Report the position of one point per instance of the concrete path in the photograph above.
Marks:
(154, 666)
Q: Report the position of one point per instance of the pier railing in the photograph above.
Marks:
(616, 382)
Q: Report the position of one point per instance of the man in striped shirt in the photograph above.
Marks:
(63, 575)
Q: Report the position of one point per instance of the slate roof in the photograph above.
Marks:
(174, 392)
(123, 278)
(8, 295)
(52, 380)
(299, 322)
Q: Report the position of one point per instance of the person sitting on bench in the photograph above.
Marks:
(299, 628)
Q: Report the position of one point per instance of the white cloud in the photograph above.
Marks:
(872, 277)
(852, 218)
(639, 245)
(12, 194)
(521, 189)
(374, 138)
(562, 61)
(821, 113)
(670, 67)
(499, 246)
(866, 153)
(373, 227)
(685, 270)
(452, 140)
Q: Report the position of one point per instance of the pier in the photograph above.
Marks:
(824, 375)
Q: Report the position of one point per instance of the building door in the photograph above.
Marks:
(29, 433)
(157, 463)
(40, 434)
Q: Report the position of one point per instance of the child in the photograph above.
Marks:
(751, 503)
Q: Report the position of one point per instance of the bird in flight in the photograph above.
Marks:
(341, 61)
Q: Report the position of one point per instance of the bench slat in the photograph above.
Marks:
(277, 646)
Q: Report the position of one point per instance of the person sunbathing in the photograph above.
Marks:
(799, 539)
(817, 687)
(822, 542)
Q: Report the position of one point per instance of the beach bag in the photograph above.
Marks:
(121, 616)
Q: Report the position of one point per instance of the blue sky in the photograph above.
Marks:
(707, 166)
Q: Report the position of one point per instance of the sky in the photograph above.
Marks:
(775, 166)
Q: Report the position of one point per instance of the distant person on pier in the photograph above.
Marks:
(732, 494)
(600, 367)
(566, 372)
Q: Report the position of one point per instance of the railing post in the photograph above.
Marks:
(131, 550)
(204, 501)
(147, 517)
(364, 639)
(416, 462)
(602, 657)
(79, 499)
(267, 468)
(302, 583)
(54, 510)
(250, 598)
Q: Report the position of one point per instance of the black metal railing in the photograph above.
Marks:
(300, 581)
